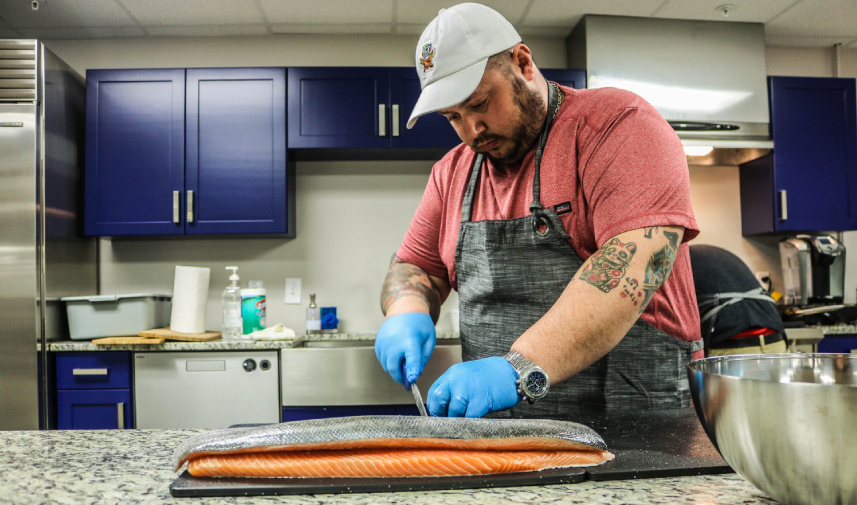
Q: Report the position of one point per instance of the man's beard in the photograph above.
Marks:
(531, 118)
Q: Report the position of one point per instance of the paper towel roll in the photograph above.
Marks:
(190, 295)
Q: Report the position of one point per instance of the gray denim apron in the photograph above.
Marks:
(511, 272)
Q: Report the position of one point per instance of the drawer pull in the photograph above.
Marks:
(784, 206)
(382, 120)
(120, 415)
(89, 371)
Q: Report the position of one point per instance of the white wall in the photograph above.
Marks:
(351, 216)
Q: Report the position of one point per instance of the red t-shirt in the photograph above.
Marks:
(613, 158)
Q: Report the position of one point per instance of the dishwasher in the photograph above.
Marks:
(187, 390)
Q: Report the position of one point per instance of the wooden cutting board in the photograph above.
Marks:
(127, 340)
(174, 335)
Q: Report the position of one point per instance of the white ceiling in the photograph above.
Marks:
(801, 23)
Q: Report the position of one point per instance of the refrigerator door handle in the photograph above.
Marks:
(176, 206)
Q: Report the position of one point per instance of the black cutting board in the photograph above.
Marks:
(654, 443)
(187, 485)
(647, 444)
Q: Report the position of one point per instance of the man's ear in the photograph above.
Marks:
(522, 58)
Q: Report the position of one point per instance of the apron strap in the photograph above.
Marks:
(543, 139)
(467, 203)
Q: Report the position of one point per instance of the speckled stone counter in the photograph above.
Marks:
(841, 329)
(224, 345)
(134, 466)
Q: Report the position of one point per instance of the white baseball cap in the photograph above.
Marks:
(453, 51)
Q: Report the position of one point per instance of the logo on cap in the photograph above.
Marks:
(427, 59)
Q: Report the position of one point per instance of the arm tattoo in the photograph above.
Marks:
(649, 231)
(404, 279)
(658, 268)
(606, 267)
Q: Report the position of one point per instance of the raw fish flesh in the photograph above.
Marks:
(392, 446)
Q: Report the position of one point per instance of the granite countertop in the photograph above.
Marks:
(135, 466)
(223, 345)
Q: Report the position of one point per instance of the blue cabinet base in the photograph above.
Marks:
(838, 344)
(94, 409)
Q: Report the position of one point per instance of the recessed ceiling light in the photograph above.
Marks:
(725, 9)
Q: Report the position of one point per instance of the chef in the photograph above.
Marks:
(561, 220)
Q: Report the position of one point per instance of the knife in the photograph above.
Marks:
(412, 387)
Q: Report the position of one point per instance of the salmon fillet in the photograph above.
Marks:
(388, 463)
(391, 446)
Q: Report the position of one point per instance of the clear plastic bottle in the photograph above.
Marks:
(232, 323)
(313, 316)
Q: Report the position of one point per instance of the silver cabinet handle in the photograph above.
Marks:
(176, 206)
(190, 206)
(89, 371)
(395, 120)
(382, 120)
(120, 414)
(784, 206)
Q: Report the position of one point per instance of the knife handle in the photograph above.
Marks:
(405, 376)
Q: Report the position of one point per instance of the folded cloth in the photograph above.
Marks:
(276, 332)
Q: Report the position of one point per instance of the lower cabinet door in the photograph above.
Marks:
(94, 409)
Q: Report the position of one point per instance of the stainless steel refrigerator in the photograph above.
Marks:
(43, 254)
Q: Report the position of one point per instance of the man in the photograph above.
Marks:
(559, 220)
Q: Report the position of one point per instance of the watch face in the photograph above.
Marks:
(537, 383)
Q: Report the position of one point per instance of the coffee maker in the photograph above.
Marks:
(813, 270)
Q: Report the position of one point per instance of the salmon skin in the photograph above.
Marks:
(391, 446)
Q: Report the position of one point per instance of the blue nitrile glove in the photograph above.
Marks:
(410, 337)
(474, 388)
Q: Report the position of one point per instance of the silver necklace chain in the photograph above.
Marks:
(559, 96)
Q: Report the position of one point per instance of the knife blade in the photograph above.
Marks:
(412, 387)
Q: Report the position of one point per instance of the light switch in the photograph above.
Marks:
(293, 291)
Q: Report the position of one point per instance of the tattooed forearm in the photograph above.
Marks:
(631, 290)
(607, 266)
(403, 280)
(658, 268)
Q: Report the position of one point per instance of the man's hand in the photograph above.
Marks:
(474, 388)
(408, 337)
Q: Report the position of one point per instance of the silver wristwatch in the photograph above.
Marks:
(533, 383)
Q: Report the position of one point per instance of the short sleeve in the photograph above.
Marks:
(635, 175)
(421, 246)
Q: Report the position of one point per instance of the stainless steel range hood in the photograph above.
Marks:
(707, 78)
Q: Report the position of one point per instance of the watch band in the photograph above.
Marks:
(524, 367)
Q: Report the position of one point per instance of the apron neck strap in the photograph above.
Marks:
(543, 139)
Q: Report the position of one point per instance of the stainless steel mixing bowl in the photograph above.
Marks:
(785, 422)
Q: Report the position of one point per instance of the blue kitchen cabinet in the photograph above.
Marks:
(568, 77)
(134, 151)
(338, 107)
(369, 107)
(430, 131)
(808, 182)
(236, 167)
(198, 151)
(93, 390)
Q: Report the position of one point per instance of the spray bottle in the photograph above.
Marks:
(232, 307)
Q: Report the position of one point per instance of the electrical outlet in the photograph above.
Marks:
(293, 291)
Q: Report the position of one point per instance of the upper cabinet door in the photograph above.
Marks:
(236, 171)
(340, 107)
(570, 78)
(430, 131)
(814, 128)
(134, 151)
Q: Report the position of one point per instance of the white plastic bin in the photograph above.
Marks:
(116, 315)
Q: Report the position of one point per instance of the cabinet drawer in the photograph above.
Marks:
(94, 370)
(94, 409)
